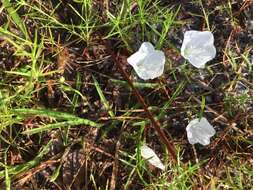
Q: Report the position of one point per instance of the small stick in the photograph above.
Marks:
(156, 124)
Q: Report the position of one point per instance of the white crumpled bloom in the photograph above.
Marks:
(149, 155)
(147, 62)
(200, 131)
(198, 47)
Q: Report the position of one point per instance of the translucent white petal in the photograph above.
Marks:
(199, 131)
(199, 38)
(207, 54)
(136, 59)
(146, 47)
(147, 62)
(153, 65)
(149, 155)
(198, 47)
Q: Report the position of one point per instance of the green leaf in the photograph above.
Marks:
(15, 170)
(70, 120)
(55, 173)
(61, 125)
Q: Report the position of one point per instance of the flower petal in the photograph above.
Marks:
(199, 38)
(199, 131)
(147, 62)
(207, 54)
(148, 154)
(198, 47)
(136, 59)
(153, 65)
(146, 47)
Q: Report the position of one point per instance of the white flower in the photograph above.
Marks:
(149, 155)
(198, 47)
(200, 131)
(147, 62)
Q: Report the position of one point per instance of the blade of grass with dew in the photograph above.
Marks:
(44, 112)
(139, 85)
(71, 119)
(14, 170)
(62, 125)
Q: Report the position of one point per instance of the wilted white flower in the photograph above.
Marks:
(198, 47)
(200, 131)
(147, 62)
(149, 155)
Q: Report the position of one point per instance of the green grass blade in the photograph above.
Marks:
(139, 85)
(55, 173)
(45, 113)
(203, 105)
(61, 125)
(15, 17)
(102, 97)
(7, 177)
(24, 167)
(71, 120)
